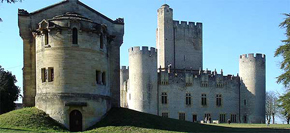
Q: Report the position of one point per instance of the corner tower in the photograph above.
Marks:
(143, 80)
(253, 87)
(71, 62)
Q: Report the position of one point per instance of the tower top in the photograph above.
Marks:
(165, 5)
(73, 0)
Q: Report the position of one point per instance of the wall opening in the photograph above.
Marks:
(75, 36)
(101, 41)
(75, 121)
(104, 78)
(45, 32)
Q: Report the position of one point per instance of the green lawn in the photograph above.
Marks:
(120, 120)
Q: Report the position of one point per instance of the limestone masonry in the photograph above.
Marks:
(170, 81)
(72, 70)
(71, 62)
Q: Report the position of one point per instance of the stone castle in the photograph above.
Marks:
(170, 81)
(72, 70)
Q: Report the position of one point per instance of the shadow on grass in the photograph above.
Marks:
(125, 117)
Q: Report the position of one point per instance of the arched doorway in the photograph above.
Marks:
(75, 121)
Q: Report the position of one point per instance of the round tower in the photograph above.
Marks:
(72, 70)
(143, 80)
(124, 76)
(253, 87)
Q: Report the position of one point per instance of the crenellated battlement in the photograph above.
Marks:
(253, 56)
(124, 68)
(189, 25)
(145, 50)
(197, 74)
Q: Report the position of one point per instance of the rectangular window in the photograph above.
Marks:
(218, 100)
(101, 41)
(222, 118)
(98, 80)
(43, 74)
(182, 116)
(164, 98)
(50, 74)
(104, 78)
(203, 99)
(45, 32)
(129, 96)
(204, 84)
(165, 115)
(207, 117)
(188, 99)
(194, 118)
(245, 102)
(233, 118)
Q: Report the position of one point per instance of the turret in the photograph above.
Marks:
(253, 81)
(143, 79)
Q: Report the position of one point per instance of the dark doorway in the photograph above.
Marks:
(194, 118)
(75, 121)
(245, 119)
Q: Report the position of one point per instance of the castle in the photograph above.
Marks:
(170, 81)
(72, 63)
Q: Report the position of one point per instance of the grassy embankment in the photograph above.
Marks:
(121, 120)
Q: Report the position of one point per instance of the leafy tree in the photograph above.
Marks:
(284, 51)
(9, 92)
(9, 1)
(284, 103)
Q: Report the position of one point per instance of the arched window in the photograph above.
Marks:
(75, 36)
(45, 32)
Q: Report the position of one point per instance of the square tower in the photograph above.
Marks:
(179, 44)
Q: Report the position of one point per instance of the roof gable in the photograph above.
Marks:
(117, 21)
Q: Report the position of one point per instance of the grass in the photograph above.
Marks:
(120, 120)
(29, 119)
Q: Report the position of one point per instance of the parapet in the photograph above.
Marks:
(144, 50)
(124, 68)
(185, 24)
(253, 56)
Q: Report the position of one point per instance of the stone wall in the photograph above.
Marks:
(177, 87)
(253, 86)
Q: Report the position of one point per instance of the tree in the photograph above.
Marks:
(284, 103)
(284, 51)
(9, 92)
(271, 105)
(9, 1)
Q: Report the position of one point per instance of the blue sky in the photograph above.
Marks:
(230, 28)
